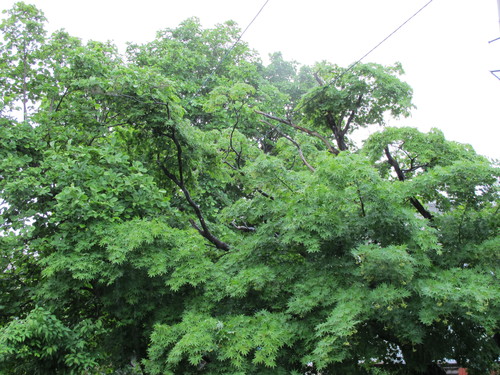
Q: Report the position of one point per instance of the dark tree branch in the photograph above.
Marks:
(420, 208)
(406, 152)
(336, 125)
(284, 183)
(413, 159)
(332, 123)
(65, 93)
(362, 204)
(193, 224)
(313, 133)
(401, 176)
(393, 162)
(337, 131)
(204, 230)
(264, 194)
(230, 165)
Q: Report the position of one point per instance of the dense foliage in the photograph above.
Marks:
(187, 209)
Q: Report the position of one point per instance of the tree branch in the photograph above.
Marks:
(413, 168)
(362, 204)
(204, 230)
(238, 154)
(318, 79)
(393, 162)
(313, 133)
(179, 157)
(264, 194)
(66, 91)
(401, 176)
(420, 208)
(244, 228)
(311, 168)
(337, 131)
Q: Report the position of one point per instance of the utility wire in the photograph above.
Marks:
(370, 51)
(388, 36)
(229, 50)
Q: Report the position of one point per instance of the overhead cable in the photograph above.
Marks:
(230, 49)
(373, 49)
(387, 37)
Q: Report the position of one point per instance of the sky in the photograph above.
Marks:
(444, 49)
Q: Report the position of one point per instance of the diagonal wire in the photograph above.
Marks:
(369, 52)
(388, 36)
(230, 50)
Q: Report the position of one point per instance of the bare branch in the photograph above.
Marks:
(311, 168)
(313, 133)
(244, 228)
(420, 208)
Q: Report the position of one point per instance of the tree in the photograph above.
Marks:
(189, 210)
(351, 98)
(24, 35)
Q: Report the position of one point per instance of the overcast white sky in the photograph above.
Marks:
(444, 49)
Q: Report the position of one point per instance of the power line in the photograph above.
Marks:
(230, 50)
(370, 51)
(388, 36)
(252, 21)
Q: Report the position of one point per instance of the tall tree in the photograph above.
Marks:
(24, 35)
(350, 98)
(189, 210)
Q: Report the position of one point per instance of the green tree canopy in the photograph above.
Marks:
(188, 209)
